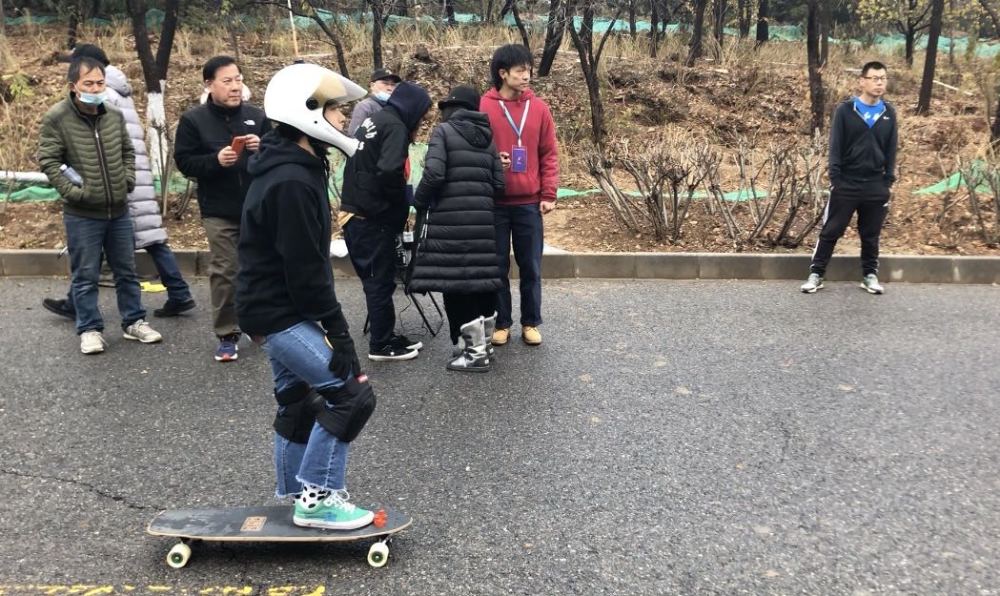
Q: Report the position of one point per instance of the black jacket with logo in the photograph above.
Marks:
(284, 252)
(862, 159)
(374, 177)
(202, 132)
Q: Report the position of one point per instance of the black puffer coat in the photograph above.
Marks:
(456, 250)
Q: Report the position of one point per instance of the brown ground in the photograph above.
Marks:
(708, 103)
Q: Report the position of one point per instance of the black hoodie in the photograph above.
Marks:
(284, 252)
(375, 177)
(462, 175)
(863, 158)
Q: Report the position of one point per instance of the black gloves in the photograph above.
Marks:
(344, 363)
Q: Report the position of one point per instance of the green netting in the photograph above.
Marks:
(154, 19)
(953, 182)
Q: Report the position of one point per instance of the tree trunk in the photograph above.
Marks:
(631, 19)
(816, 94)
(654, 25)
(589, 61)
(699, 26)
(744, 10)
(520, 25)
(827, 24)
(763, 14)
(719, 10)
(74, 24)
(995, 129)
(449, 11)
(930, 61)
(992, 12)
(334, 35)
(554, 31)
(377, 23)
(911, 40)
(3, 21)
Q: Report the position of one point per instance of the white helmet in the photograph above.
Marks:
(298, 94)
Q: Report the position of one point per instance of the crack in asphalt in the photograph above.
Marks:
(85, 485)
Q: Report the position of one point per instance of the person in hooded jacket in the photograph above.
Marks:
(142, 204)
(456, 251)
(374, 210)
(286, 301)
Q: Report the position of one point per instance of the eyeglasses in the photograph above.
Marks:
(877, 79)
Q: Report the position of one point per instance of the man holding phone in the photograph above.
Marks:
(525, 136)
(212, 144)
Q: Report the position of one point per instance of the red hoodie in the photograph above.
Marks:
(541, 180)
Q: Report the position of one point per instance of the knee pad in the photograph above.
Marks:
(344, 411)
(295, 418)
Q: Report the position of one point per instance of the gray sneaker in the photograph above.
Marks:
(870, 284)
(813, 283)
(92, 342)
(142, 332)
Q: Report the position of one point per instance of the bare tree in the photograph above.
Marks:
(590, 59)
(763, 31)
(930, 62)
(661, 13)
(379, 17)
(554, 30)
(816, 94)
(744, 12)
(695, 49)
(720, 8)
(3, 21)
(154, 74)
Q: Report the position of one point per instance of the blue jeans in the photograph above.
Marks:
(87, 238)
(299, 354)
(169, 272)
(521, 224)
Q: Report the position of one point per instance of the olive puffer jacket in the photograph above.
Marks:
(100, 150)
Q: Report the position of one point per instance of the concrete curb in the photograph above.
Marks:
(894, 268)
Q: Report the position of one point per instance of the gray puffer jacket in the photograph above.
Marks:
(142, 204)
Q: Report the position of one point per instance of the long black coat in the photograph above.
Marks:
(456, 249)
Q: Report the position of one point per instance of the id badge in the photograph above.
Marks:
(519, 160)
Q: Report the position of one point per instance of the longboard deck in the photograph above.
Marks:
(261, 524)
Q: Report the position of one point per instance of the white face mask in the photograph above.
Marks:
(92, 99)
(382, 96)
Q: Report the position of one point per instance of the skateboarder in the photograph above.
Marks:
(285, 297)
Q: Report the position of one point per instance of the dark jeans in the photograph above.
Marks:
(87, 239)
(462, 308)
(839, 210)
(169, 272)
(520, 226)
(372, 248)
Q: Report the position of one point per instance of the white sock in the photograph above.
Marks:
(312, 495)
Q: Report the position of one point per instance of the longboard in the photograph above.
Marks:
(266, 524)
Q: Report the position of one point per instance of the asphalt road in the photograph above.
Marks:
(668, 437)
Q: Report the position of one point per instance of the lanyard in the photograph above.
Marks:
(524, 118)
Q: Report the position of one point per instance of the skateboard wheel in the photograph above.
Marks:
(378, 554)
(179, 555)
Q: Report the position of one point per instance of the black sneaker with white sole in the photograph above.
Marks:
(405, 343)
(390, 352)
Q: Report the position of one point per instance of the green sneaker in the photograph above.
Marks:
(871, 285)
(332, 512)
(815, 282)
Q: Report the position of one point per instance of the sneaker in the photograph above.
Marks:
(59, 307)
(92, 342)
(142, 332)
(870, 284)
(500, 337)
(172, 309)
(401, 341)
(531, 335)
(331, 511)
(813, 283)
(390, 352)
(229, 348)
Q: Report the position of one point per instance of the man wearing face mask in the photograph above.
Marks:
(85, 151)
(212, 144)
(382, 84)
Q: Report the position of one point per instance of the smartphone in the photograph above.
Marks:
(237, 144)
